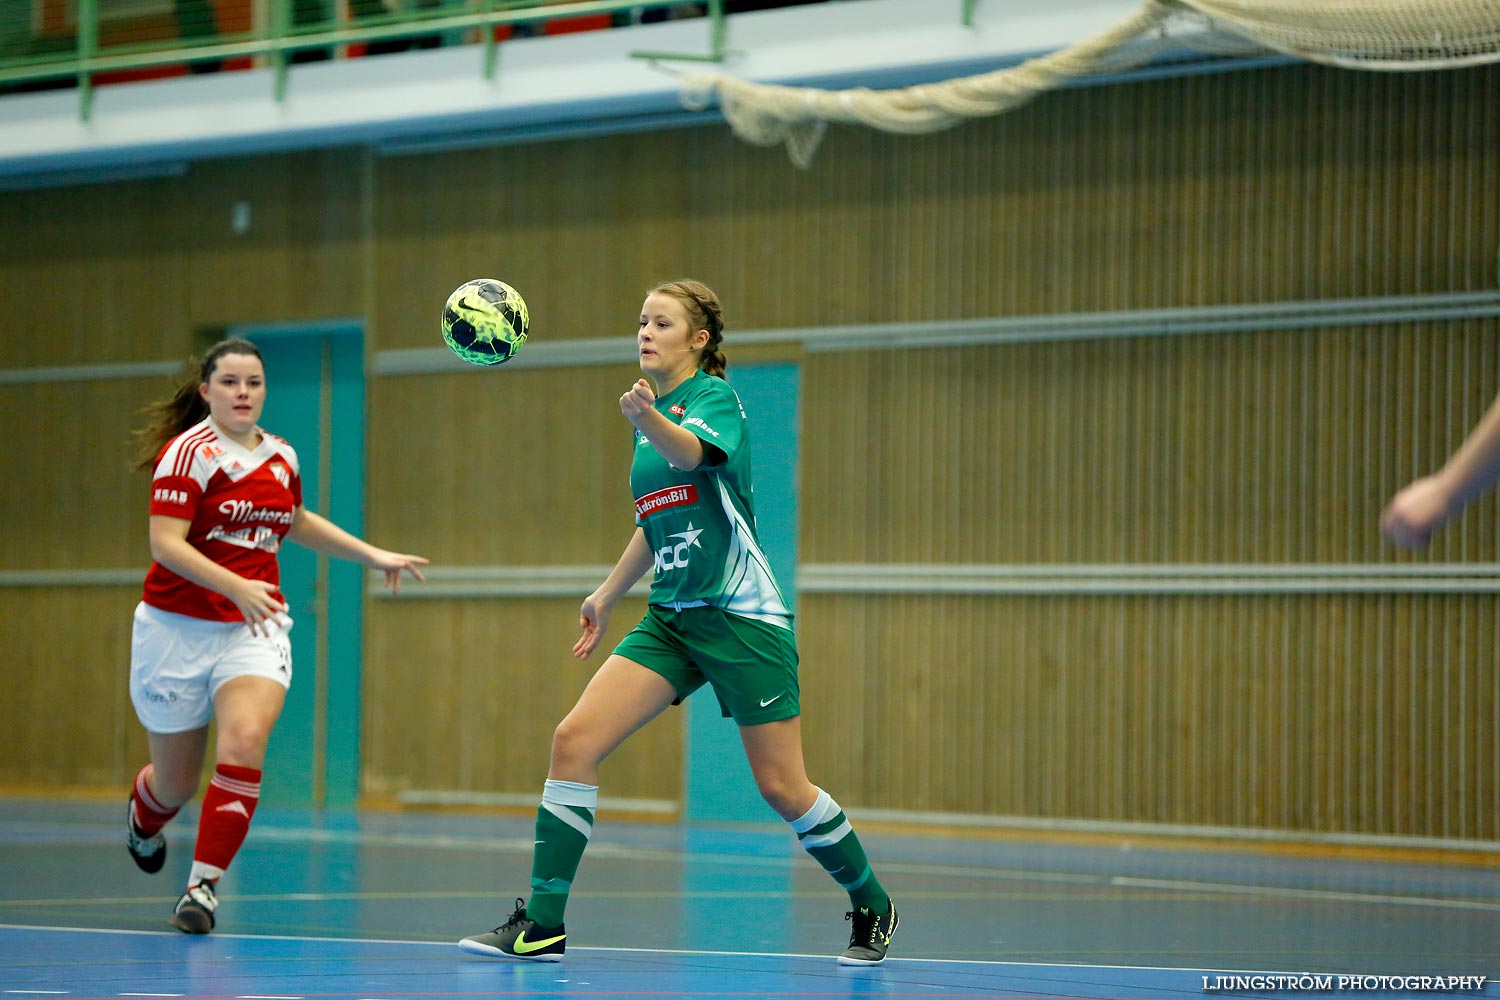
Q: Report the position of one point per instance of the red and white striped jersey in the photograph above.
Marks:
(240, 504)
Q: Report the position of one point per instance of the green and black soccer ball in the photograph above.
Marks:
(485, 321)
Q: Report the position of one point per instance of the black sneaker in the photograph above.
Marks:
(195, 910)
(148, 853)
(871, 936)
(519, 937)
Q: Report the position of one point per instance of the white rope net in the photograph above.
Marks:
(1356, 34)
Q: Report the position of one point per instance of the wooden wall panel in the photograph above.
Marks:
(1318, 713)
(1277, 447)
(1294, 183)
(73, 501)
(128, 272)
(67, 708)
(581, 242)
(463, 695)
(1324, 714)
(525, 468)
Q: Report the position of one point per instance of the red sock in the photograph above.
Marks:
(148, 814)
(225, 819)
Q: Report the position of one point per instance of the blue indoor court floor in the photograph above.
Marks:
(370, 905)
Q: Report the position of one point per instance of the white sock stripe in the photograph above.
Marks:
(823, 810)
(248, 789)
(146, 796)
(570, 817)
(571, 793)
(830, 838)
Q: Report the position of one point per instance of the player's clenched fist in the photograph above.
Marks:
(638, 400)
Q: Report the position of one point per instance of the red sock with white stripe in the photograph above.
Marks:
(148, 815)
(227, 807)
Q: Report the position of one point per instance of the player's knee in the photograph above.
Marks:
(172, 786)
(781, 793)
(574, 745)
(243, 743)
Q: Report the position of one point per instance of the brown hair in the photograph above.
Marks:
(704, 313)
(171, 416)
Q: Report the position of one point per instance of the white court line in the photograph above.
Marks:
(688, 952)
(634, 951)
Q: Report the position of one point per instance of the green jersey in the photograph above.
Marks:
(701, 524)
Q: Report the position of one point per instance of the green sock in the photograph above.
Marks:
(564, 821)
(825, 833)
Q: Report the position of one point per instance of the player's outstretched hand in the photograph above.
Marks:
(392, 563)
(638, 400)
(1415, 512)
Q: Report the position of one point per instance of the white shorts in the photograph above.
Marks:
(177, 664)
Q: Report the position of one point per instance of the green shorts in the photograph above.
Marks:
(751, 664)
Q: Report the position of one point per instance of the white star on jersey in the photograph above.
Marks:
(690, 536)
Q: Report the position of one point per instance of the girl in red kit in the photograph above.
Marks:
(210, 634)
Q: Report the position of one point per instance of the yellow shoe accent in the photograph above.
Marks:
(525, 947)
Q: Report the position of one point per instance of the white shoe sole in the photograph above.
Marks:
(490, 951)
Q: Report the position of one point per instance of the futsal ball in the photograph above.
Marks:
(485, 321)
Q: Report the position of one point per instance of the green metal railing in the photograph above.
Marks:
(291, 31)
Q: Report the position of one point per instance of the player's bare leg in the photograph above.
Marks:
(621, 698)
(774, 750)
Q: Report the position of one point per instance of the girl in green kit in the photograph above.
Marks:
(716, 616)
